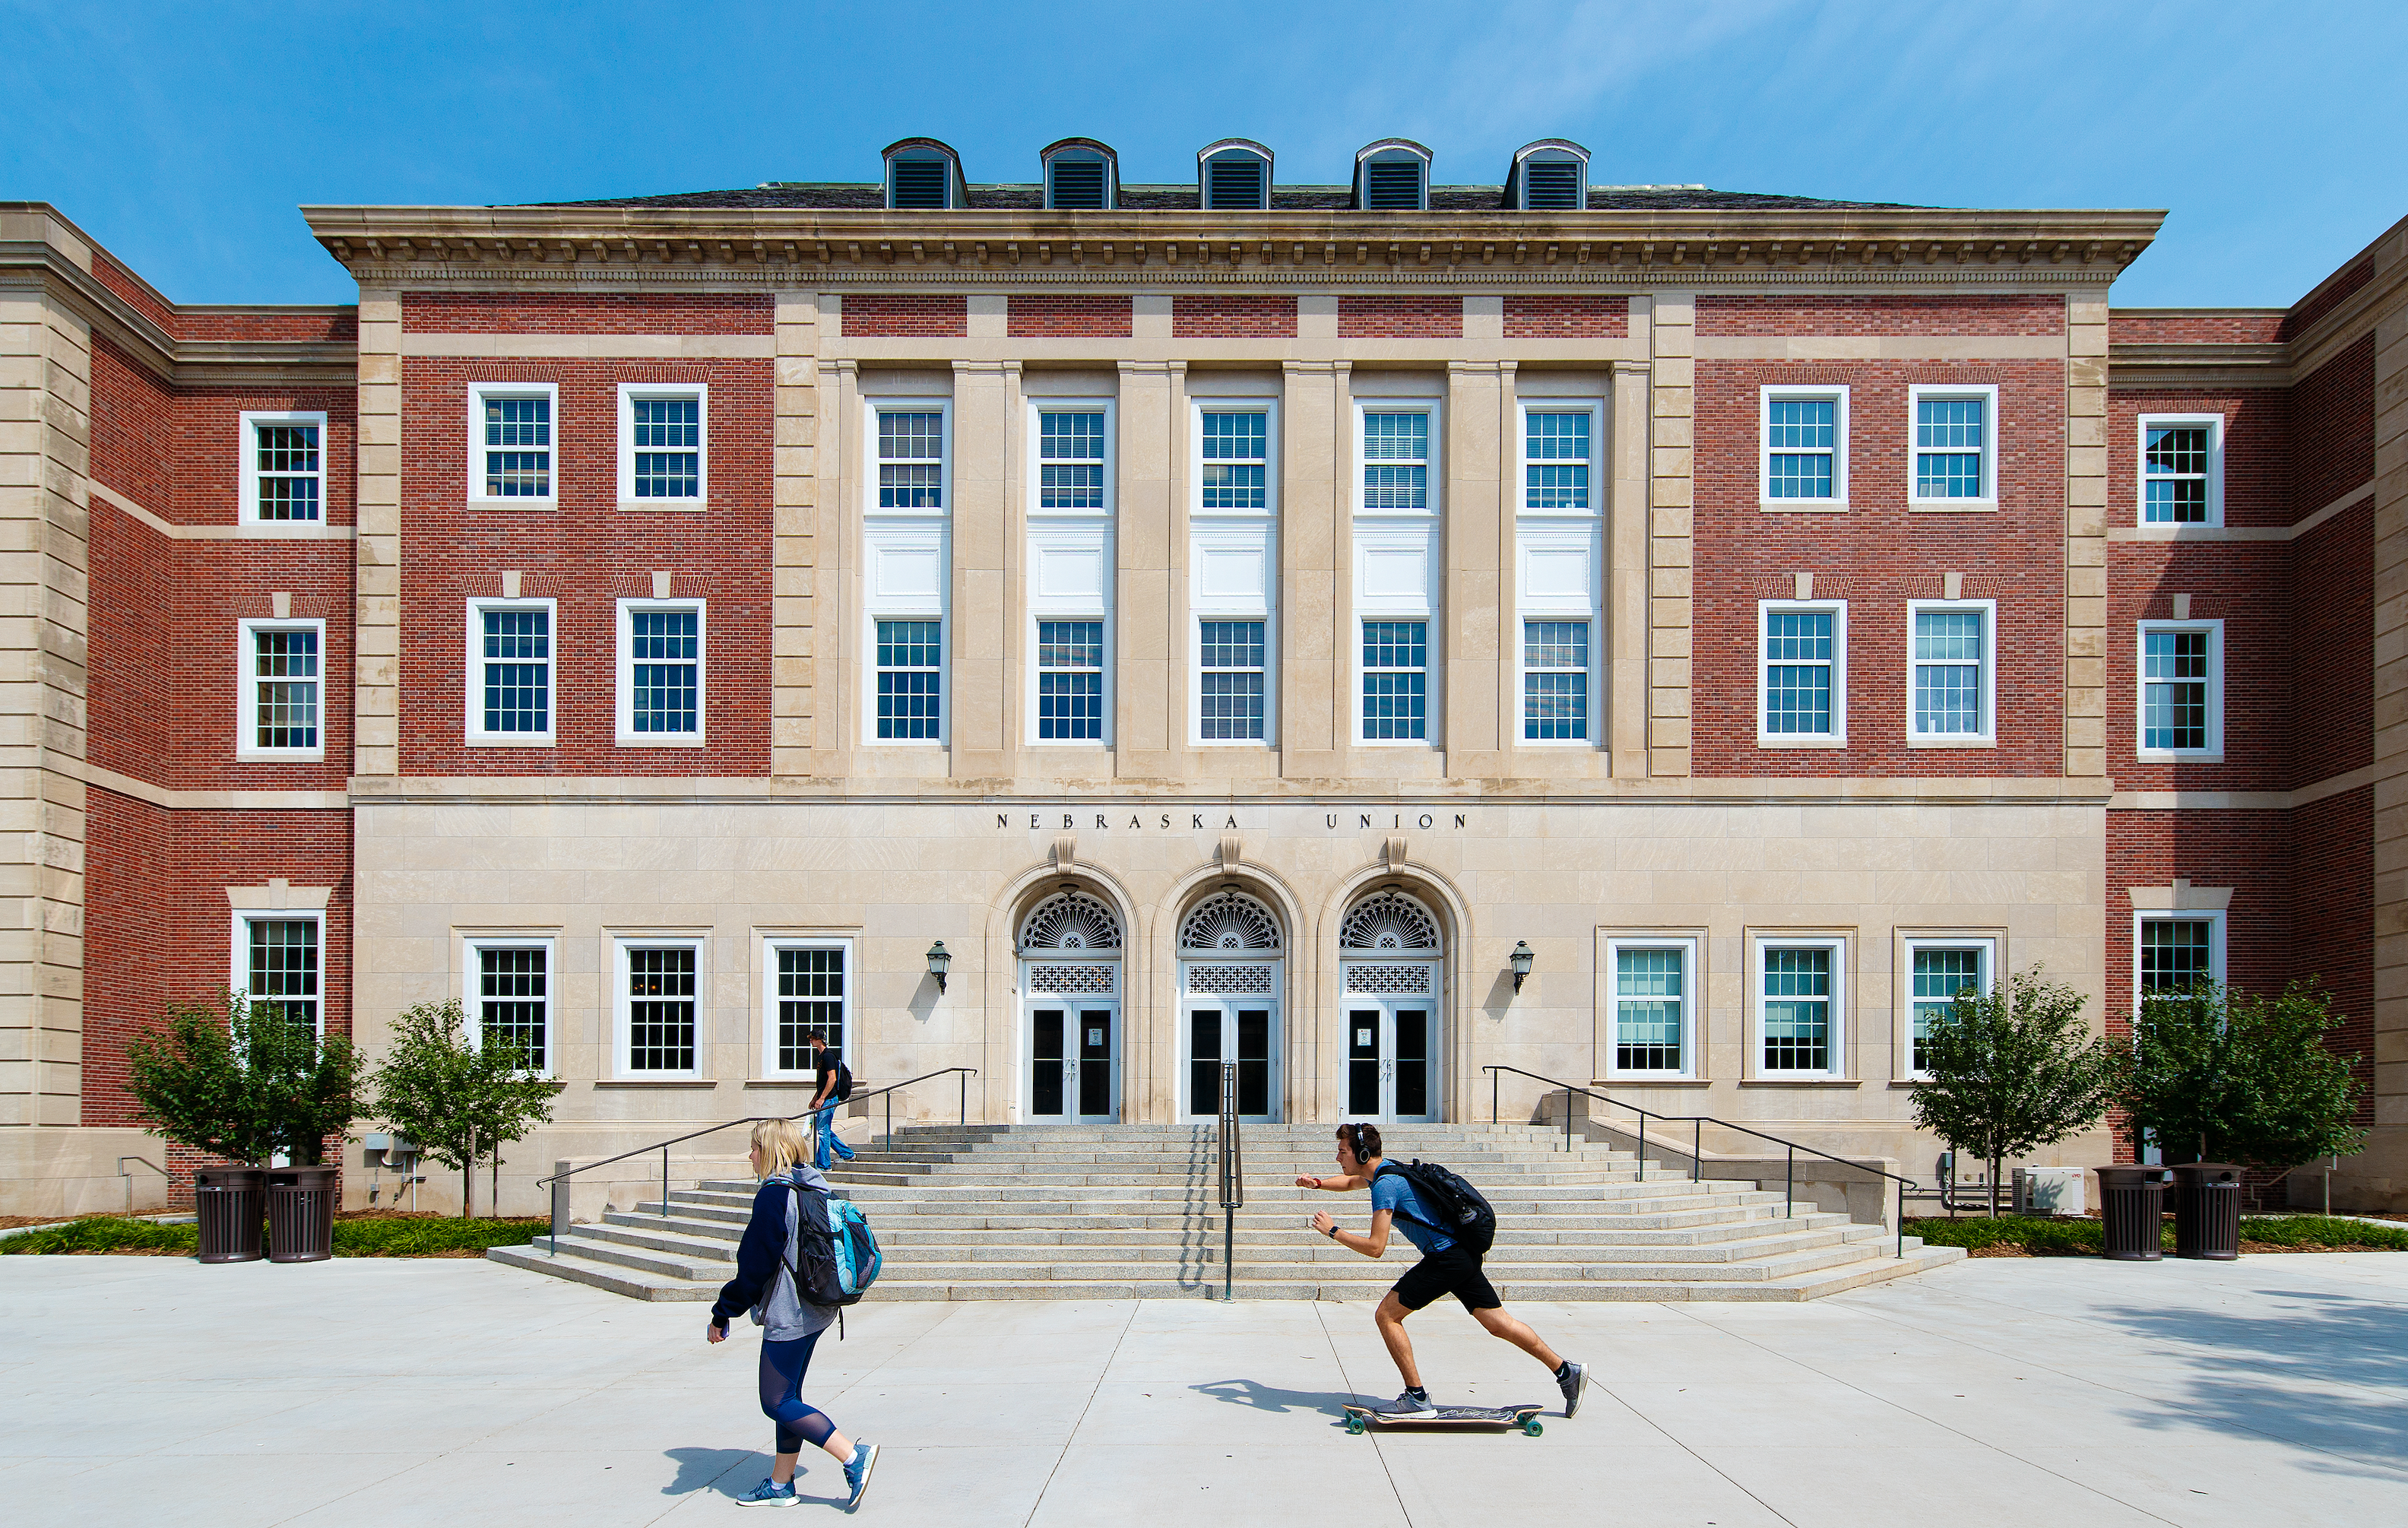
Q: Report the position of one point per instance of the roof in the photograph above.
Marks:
(872, 196)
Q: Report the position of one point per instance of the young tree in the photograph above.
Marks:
(459, 1102)
(243, 1083)
(2013, 1069)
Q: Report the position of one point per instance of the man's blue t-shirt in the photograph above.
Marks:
(1392, 1192)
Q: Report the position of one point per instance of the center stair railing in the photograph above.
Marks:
(1233, 1178)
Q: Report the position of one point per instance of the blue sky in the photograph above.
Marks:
(183, 138)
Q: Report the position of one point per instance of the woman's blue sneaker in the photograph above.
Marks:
(856, 1471)
(769, 1493)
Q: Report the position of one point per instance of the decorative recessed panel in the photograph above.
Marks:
(1399, 980)
(1229, 979)
(1077, 980)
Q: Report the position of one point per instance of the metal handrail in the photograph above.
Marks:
(1231, 1151)
(1697, 1123)
(129, 1177)
(558, 1181)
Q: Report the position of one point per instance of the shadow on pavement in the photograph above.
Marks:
(699, 1469)
(1260, 1397)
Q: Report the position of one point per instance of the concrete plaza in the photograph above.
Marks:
(156, 1392)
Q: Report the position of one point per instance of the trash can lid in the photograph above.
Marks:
(2213, 1172)
(2126, 1175)
(229, 1177)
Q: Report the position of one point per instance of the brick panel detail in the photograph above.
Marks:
(2303, 317)
(1232, 317)
(1822, 315)
(2240, 326)
(2257, 489)
(2329, 721)
(2332, 448)
(178, 452)
(1399, 318)
(892, 316)
(1050, 315)
(343, 326)
(1531, 316)
(585, 313)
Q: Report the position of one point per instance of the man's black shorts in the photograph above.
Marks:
(1453, 1272)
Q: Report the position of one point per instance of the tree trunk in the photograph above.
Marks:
(468, 1172)
(1994, 1188)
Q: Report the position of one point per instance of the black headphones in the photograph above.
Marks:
(1355, 1141)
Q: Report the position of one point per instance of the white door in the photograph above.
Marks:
(1242, 1030)
(1073, 1055)
(1391, 1058)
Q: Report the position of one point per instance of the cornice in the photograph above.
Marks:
(2158, 364)
(185, 363)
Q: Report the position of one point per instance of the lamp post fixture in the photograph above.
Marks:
(941, 960)
(1523, 956)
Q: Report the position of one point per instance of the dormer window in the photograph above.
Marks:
(1081, 176)
(1234, 176)
(1548, 175)
(1392, 176)
(923, 174)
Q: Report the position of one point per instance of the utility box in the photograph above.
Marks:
(2049, 1190)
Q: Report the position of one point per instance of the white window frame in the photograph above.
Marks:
(1559, 532)
(1038, 617)
(892, 403)
(622, 1003)
(474, 679)
(625, 671)
(1594, 409)
(1431, 670)
(917, 532)
(1195, 622)
(479, 392)
(2215, 423)
(1769, 395)
(248, 512)
(1758, 942)
(238, 962)
(2214, 752)
(1037, 407)
(1988, 393)
(246, 690)
(770, 945)
(2213, 918)
(472, 948)
(1434, 464)
(1691, 948)
(1268, 408)
(1988, 735)
(628, 394)
(1909, 944)
(1837, 736)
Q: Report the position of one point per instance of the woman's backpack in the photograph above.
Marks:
(1456, 1208)
(837, 1256)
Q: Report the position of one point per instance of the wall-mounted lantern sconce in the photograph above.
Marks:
(941, 960)
(1523, 956)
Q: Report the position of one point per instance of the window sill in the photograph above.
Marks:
(1642, 1079)
(1911, 1081)
(909, 744)
(510, 742)
(1802, 506)
(801, 1080)
(1800, 743)
(270, 530)
(1952, 506)
(297, 756)
(662, 742)
(1801, 1082)
(680, 504)
(1952, 743)
(2159, 756)
(657, 1082)
(513, 503)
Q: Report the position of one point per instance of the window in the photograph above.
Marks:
(1080, 177)
(1555, 680)
(1071, 460)
(910, 679)
(1937, 971)
(1231, 670)
(659, 1008)
(509, 672)
(2173, 952)
(664, 448)
(281, 689)
(1649, 1011)
(2182, 469)
(1396, 679)
(1803, 676)
(276, 964)
(1951, 680)
(1956, 452)
(510, 457)
(1805, 447)
(1396, 459)
(283, 469)
(2182, 689)
(1235, 471)
(1392, 176)
(510, 996)
(808, 1004)
(1070, 681)
(1556, 459)
(911, 459)
(1798, 993)
(1235, 180)
(660, 673)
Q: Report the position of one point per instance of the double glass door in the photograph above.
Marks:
(1391, 1060)
(1073, 1076)
(1232, 1030)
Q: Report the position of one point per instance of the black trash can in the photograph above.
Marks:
(300, 1214)
(231, 1201)
(2133, 1200)
(2207, 1211)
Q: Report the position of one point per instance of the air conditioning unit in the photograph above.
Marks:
(2049, 1190)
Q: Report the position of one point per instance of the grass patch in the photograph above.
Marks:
(429, 1237)
(2319, 1233)
(2036, 1236)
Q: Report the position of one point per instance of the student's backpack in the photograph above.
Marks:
(1455, 1208)
(838, 1254)
(843, 1083)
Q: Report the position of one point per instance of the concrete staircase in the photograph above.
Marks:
(1118, 1212)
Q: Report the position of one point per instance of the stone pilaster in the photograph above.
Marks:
(1672, 531)
(2085, 535)
(1475, 544)
(796, 538)
(988, 558)
(377, 553)
(1316, 538)
(1147, 651)
(1626, 571)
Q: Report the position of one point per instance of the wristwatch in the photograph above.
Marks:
(1331, 1234)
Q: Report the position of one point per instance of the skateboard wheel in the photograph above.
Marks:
(1355, 1425)
(1531, 1425)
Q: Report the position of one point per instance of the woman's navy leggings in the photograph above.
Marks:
(782, 1394)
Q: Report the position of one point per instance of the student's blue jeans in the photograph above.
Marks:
(824, 1124)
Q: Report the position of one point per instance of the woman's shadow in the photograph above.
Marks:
(1262, 1397)
(732, 1472)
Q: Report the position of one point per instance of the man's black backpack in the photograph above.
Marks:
(843, 1083)
(1456, 1208)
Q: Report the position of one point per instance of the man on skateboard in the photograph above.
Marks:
(1446, 1268)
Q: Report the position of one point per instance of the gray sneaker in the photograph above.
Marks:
(1404, 1408)
(1574, 1380)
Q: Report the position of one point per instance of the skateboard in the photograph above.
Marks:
(1523, 1417)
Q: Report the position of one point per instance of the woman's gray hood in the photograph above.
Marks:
(783, 1314)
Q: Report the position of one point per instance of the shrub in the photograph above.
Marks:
(459, 1100)
(242, 1082)
(2013, 1069)
(396, 1237)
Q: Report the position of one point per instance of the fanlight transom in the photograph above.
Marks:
(1388, 922)
(1229, 923)
(1071, 920)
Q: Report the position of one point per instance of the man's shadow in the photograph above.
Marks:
(1262, 1397)
(731, 1472)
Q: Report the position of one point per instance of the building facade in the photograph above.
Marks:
(1237, 620)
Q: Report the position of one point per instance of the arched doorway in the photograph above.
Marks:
(1389, 955)
(1069, 951)
(1230, 982)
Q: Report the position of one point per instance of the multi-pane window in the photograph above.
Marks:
(1941, 971)
(1070, 681)
(2178, 464)
(667, 447)
(281, 968)
(910, 679)
(1554, 680)
(1801, 669)
(1951, 680)
(1396, 679)
(1650, 988)
(514, 1000)
(810, 1003)
(1396, 459)
(284, 685)
(1230, 682)
(2176, 954)
(1555, 448)
(665, 672)
(287, 472)
(1952, 445)
(517, 456)
(515, 672)
(1070, 461)
(912, 460)
(1796, 1012)
(1802, 445)
(661, 1029)
(2180, 689)
(1235, 473)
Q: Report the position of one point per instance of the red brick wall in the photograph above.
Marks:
(2256, 449)
(1399, 318)
(137, 295)
(1068, 316)
(587, 313)
(2303, 317)
(2245, 586)
(2333, 916)
(1534, 316)
(1878, 556)
(2332, 413)
(2248, 851)
(133, 430)
(893, 316)
(587, 553)
(2205, 326)
(2328, 711)
(1233, 317)
(334, 326)
(1825, 315)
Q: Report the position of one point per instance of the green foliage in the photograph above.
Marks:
(2013, 1069)
(460, 1103)
(2321, 1230)
(107, 1233)
(242, 1083)
(2041, 1238)
(2234, 1077)
(397, 1237)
